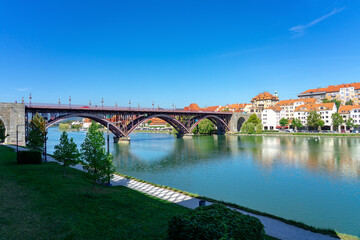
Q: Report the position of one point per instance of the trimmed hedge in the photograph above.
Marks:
(215, 222)
(29, 157)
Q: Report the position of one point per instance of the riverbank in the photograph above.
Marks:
(273, 226)
(37, 200)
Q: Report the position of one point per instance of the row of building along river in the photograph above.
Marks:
(315, 180)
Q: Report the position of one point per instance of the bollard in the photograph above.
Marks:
(202, 203)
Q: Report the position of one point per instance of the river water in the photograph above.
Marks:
(309, 179)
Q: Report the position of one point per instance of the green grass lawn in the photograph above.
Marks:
(38, 202)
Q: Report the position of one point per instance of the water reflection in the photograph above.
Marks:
(335, 156)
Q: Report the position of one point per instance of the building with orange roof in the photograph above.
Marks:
(324, 109)
(262, 101)
(341, 92)
(350, 111)
(192, 107)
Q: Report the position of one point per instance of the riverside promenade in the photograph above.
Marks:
(273, 227)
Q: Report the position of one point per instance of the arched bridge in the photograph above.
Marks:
(128, 119)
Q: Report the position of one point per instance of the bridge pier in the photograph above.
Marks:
(12, 115)
(121, 139)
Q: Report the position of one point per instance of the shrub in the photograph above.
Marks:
(29, 157)
(215, 222)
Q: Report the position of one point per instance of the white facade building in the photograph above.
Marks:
(324, 109)
(270, 118)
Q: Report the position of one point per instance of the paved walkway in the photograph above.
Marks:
(273, 227)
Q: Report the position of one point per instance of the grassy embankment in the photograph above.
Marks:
(37, 202)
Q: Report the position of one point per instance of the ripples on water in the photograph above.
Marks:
(308, 179)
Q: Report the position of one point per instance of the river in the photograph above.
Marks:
(315, 180)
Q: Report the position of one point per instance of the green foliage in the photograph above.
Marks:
(215, 222)
(337, 120)
(252, 125)
(284, 122)
(76, 126)
(96, 162)
(296, 123)
(168, 125)
(3, 136)
(66, 152)
(149, 122)
(37, 133)
(254, 119)
(225, 110)
(337, 102)
(29, 157)
(259, 128)
(313, 120)
(350, 102)
(350, 123)
(204, 127)
(64, 126)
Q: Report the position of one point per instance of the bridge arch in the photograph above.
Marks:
(172, 121)
(103, 121)
(219, 123)
(239, 124)
(2, 130)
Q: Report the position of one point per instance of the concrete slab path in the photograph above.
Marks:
(273, 227)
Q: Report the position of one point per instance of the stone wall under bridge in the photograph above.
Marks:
(237, 120)
(13, 115)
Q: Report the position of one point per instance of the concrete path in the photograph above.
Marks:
(273, 227)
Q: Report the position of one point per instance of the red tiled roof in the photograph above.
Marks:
(265, 96)
(347, 108)
(333, 88)
(192, 107)
(314, 107)
(292, 101)
(275, 108)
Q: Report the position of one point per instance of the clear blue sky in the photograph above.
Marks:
(208, 52)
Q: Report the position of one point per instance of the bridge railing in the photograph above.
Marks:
(113, 108)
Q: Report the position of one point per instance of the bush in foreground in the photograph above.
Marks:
(29, 157)
(215, 222)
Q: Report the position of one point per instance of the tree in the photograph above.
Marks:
(64, 126)
(204, 127)
(337, 120)
(254, 119)
(350, 123)
(149, 122)
(350, 102)
(3, 136)
(321, 124)
(96, 162)
(296, 123)
(313, 120)
(66, 152)
(37, 133)
(252, 125)
(337, 102)
(284, 122)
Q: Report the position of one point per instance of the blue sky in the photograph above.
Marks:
(175, 52)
